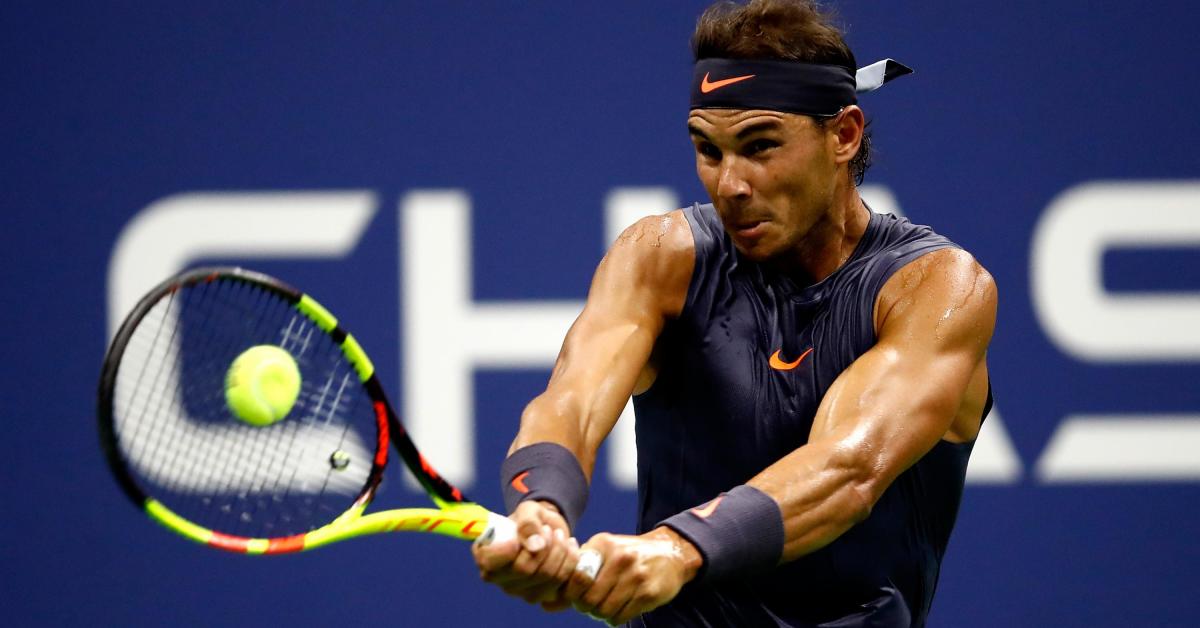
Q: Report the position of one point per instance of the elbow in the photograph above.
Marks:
(861, 485)
(860, 501)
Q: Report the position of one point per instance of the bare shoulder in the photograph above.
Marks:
(656, 253)
(947, 291)
(667, 235)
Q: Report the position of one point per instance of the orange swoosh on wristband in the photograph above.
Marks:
(519, 483)
(706, 86)
(708, 509)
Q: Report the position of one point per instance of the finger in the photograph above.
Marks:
(542, 511)
(591, 598)
(618, 596)
(548, 571)
(570, 561)
(551, 516)
(529, 518)
(554, 571)
(538, 575)
(556, 605)
(590, 593)
(495, 557)
(520, 573)
(556, 557)
(532, 532)
(633, 608)
(577, 582)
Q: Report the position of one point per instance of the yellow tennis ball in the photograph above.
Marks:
(262, 385)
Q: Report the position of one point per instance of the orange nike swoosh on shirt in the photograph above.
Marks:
(519, 483)
(707, 86)
(704, 512)
(778, 364)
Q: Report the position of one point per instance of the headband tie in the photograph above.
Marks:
(789, 86)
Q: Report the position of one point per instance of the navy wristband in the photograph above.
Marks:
(545, 471)
(738, 533)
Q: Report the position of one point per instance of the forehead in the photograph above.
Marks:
(715, 123)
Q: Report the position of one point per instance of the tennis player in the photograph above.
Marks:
(809, 376)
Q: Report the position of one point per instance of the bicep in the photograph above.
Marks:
(896, 401)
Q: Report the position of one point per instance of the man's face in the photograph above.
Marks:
(771, 175)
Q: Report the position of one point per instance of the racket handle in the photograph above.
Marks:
(499, 529)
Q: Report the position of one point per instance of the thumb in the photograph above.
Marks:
(534, 536)
(496, 555)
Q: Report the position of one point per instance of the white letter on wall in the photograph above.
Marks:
(1066, 272)
(1093, 325)
(167, 235)
(447, 335)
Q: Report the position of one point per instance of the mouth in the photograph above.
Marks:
(749, 229)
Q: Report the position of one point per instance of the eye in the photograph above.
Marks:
(760, 146)
(709, 151)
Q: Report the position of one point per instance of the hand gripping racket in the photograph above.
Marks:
(184, 456)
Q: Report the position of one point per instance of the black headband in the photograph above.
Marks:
(789, 86)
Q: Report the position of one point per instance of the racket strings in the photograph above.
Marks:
(187, 449)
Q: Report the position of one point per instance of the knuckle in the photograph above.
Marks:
(524, 567)
(592, 598)
(551, 516)
(580, 580)
(609, 608)
(555, 577)
(573, 592)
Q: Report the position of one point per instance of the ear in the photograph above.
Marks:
(846, 132)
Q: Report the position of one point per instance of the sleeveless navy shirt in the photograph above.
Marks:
(719, 413)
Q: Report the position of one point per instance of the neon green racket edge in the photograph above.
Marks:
(182, 454)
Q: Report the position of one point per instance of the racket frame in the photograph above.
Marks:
(455, 516)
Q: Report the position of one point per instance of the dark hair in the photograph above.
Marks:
(792, 30)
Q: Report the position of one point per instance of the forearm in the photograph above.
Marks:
(822, 491)
(551, 459)
(797, 505)
(553, 417)
(585, 397)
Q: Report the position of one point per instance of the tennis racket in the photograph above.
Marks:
(183, 456)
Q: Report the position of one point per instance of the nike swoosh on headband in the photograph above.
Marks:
(706, 86)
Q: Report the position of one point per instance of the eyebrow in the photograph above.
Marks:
(767, 125)
(757, 127)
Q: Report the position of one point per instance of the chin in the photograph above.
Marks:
(757, 252)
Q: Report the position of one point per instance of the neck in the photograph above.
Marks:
(831, 240)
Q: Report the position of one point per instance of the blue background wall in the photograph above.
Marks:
(537, 111)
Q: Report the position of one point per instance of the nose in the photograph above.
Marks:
(730, 182)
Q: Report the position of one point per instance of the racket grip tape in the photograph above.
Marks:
(499, 529)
